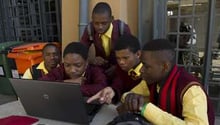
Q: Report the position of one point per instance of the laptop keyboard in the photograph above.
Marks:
(92, 108)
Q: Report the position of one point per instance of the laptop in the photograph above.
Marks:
(54, 100)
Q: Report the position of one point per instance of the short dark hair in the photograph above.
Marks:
(77, 48)
(102, 7)
(127, 42)
(165, 48)
(159, 44)
(50, 45)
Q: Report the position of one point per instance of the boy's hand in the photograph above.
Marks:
(134, 102)
(104, 96)
(99, 61)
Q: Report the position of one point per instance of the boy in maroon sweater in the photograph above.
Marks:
(103, 32)
(75, 69)
(127, 50)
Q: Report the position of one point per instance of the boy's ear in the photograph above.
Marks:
(138, 54)
(166, 67)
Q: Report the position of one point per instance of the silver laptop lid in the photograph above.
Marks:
(52, 100)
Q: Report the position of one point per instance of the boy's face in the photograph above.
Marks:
(101, 22)
(127, 59)
(51, 56)
(74, 65)
(152, 70)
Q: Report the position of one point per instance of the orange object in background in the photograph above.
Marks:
(25, 60)
(27, 55)
(32, 47)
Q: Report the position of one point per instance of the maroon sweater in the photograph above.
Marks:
(94, 81)
(98, 41)
(171, 93)
(122, 83)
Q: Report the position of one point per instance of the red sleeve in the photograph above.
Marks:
(95, 81)
(57, 74)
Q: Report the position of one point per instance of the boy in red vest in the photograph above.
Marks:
(172, 95)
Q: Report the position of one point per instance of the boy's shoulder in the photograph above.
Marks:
(116, 23)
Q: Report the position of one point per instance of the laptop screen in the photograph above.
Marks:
(53, 100)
